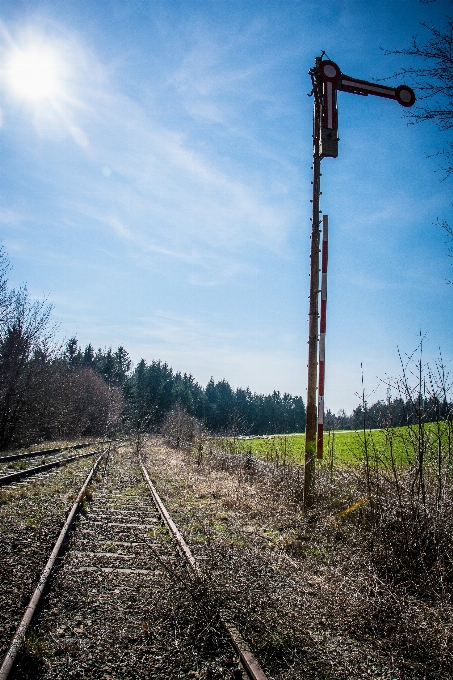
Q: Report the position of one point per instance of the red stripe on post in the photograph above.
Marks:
(320, 445)
(322, 337)
(321, 378)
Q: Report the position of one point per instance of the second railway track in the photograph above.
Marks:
(13, 469)
(122, 602)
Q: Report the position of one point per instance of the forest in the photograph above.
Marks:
(51, 391)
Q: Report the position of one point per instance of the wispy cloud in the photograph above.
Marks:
(151, 185)
(247, 356)
(10, 217)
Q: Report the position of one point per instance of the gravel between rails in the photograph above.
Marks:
(31, 516)
(120, 605)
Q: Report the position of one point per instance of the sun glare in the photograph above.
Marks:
(34, 73)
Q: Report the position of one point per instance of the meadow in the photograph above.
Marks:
(389, 446)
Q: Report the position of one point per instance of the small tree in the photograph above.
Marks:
(26, 344)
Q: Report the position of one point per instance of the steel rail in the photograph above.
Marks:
(249, 662)
(14, 476)
(44, 452)
(19, 635)
(170, 524)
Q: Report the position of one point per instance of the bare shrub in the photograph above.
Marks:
(67, 404)
(182, 430)
(94, 408)
(408, 518)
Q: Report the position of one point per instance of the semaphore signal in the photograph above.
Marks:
(332, 81)
(327, 80)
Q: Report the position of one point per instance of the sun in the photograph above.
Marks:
(34, 73)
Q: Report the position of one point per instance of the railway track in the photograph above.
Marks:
(40, 470)
(39, 453)
(14, 468)
(127, 599)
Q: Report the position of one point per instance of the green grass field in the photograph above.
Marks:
(347, 447)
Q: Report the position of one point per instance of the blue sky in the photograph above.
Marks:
(158, 191)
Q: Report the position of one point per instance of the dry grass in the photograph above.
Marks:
(329, 594)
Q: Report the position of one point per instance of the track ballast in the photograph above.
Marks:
(123, 602)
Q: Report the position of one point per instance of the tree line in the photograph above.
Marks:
(151, 391)
(395, 412)
(50, 391)
(154, 390)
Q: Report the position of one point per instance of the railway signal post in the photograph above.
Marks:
(327, 79)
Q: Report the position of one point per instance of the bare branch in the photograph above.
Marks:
(432, 78)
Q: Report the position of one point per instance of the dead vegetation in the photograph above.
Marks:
(357, 588)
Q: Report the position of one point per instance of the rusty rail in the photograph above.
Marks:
(19, 635)
(44, 452)
(14, 476)
(248, 661)
(246, 657)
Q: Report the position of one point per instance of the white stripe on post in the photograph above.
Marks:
(330, 104)
(322, 335)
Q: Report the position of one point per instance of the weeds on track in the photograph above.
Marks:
(369, 594)
(36, 646)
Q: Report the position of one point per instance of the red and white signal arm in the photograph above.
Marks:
(330, 74)
(334, 80)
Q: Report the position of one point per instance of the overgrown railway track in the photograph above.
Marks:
(125, 600)
(37, 453)
(14, 469)
(16, 476)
